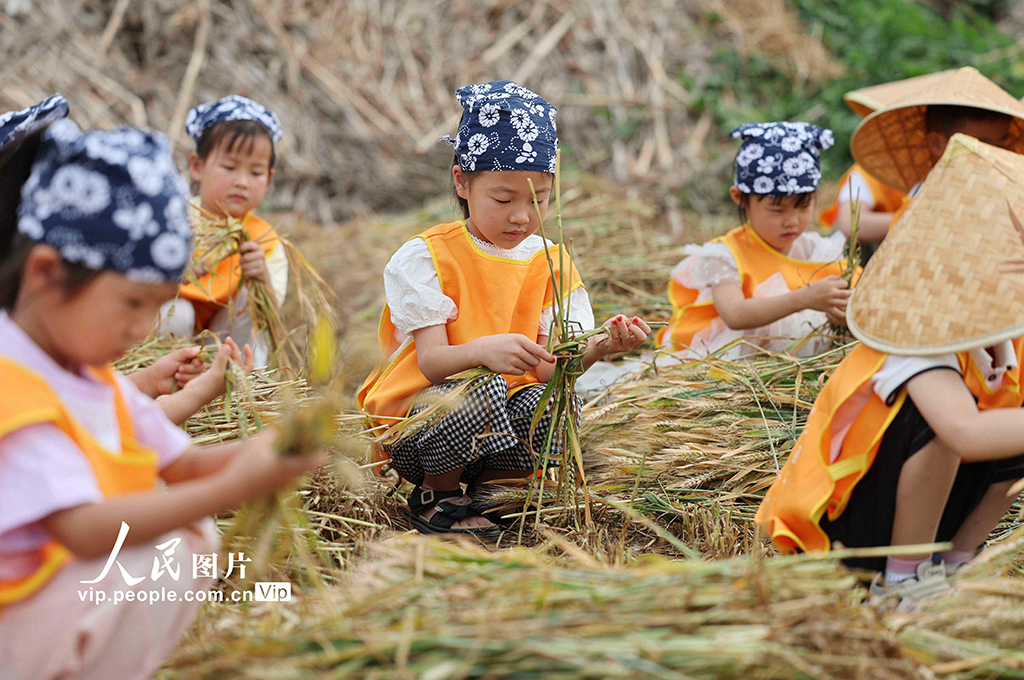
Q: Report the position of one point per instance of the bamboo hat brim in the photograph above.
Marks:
(867, 100)
(891, 143)
(949, 277)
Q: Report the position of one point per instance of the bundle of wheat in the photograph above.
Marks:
(218, 238)
(423, 608)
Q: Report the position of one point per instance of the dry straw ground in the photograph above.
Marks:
(364, 88)
(677, 460)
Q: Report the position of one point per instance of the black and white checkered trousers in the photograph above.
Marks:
(488, 429)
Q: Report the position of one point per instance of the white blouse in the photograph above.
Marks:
(712, 263)
(414, 296)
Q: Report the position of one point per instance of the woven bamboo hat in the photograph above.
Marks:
(950, 275)
(891, 144)
(867, 100)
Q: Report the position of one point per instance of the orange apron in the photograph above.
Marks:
(810, 484)
(215, 289)
(756, 261)
(887, 199)
(493, 294)
(28, 400)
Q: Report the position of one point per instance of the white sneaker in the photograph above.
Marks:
(929, 583)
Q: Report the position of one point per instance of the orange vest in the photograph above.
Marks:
(887, 199)
(809, 484)
(756, 261)
(898, 213)
(216, 288)
(493, 294)
(28, 400)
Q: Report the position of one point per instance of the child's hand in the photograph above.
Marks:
(210, 384)
(199, 270)
(624, 335)
(836, 319)
(258, 469)
(828, 295)
(254, 262)
(510, 353)
(168, 372)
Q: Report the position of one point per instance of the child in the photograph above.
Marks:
(768, 281)
(878, 202)
(917, 436)
(478, 292)
(900, 144)
(94, 236)
(233, 164)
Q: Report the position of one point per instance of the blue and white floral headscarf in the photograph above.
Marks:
(780, 159)
(504, 127)
(232, 107)
(15, 124)
(109, 199)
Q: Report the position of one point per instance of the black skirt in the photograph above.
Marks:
(868, 517)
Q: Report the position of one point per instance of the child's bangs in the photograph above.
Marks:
(235, 136)
(795, 200)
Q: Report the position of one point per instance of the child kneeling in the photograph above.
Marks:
(84, 455)
(474, 293)
(768, 282)
(918, 435)
(232, 165)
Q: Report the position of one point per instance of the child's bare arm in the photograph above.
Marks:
(200, 391)
(508, 353)
(872, 227)
(828, 295)
(949, 409)
(245, 472)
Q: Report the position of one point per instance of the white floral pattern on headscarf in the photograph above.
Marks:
(504, 127)
(232, 107)
(109, 199)
(780, 159)
(15, 124)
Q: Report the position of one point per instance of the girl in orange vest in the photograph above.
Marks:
(168, 376)
(98, 573)
(478, 292)
(768, 281)
(917, 436)
(233, 164)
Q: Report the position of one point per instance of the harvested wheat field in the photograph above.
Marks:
(636, 556)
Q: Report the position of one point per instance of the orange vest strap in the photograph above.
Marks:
(886, 198)
(811, 484)
(27, 399)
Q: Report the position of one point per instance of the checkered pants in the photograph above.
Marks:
(488, 429)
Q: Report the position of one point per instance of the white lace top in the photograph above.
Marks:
(712, 263)
(414, 296)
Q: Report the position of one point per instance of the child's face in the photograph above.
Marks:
(501, 209)
(778, 221)
(992, 131)
(95, 325)
(233, 182)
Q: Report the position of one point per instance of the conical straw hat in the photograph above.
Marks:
(867, 100)
(890, 144)
(950, 275)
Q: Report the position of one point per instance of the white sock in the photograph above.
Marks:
(897, 570)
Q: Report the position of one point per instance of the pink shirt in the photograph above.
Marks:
(42, 470)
